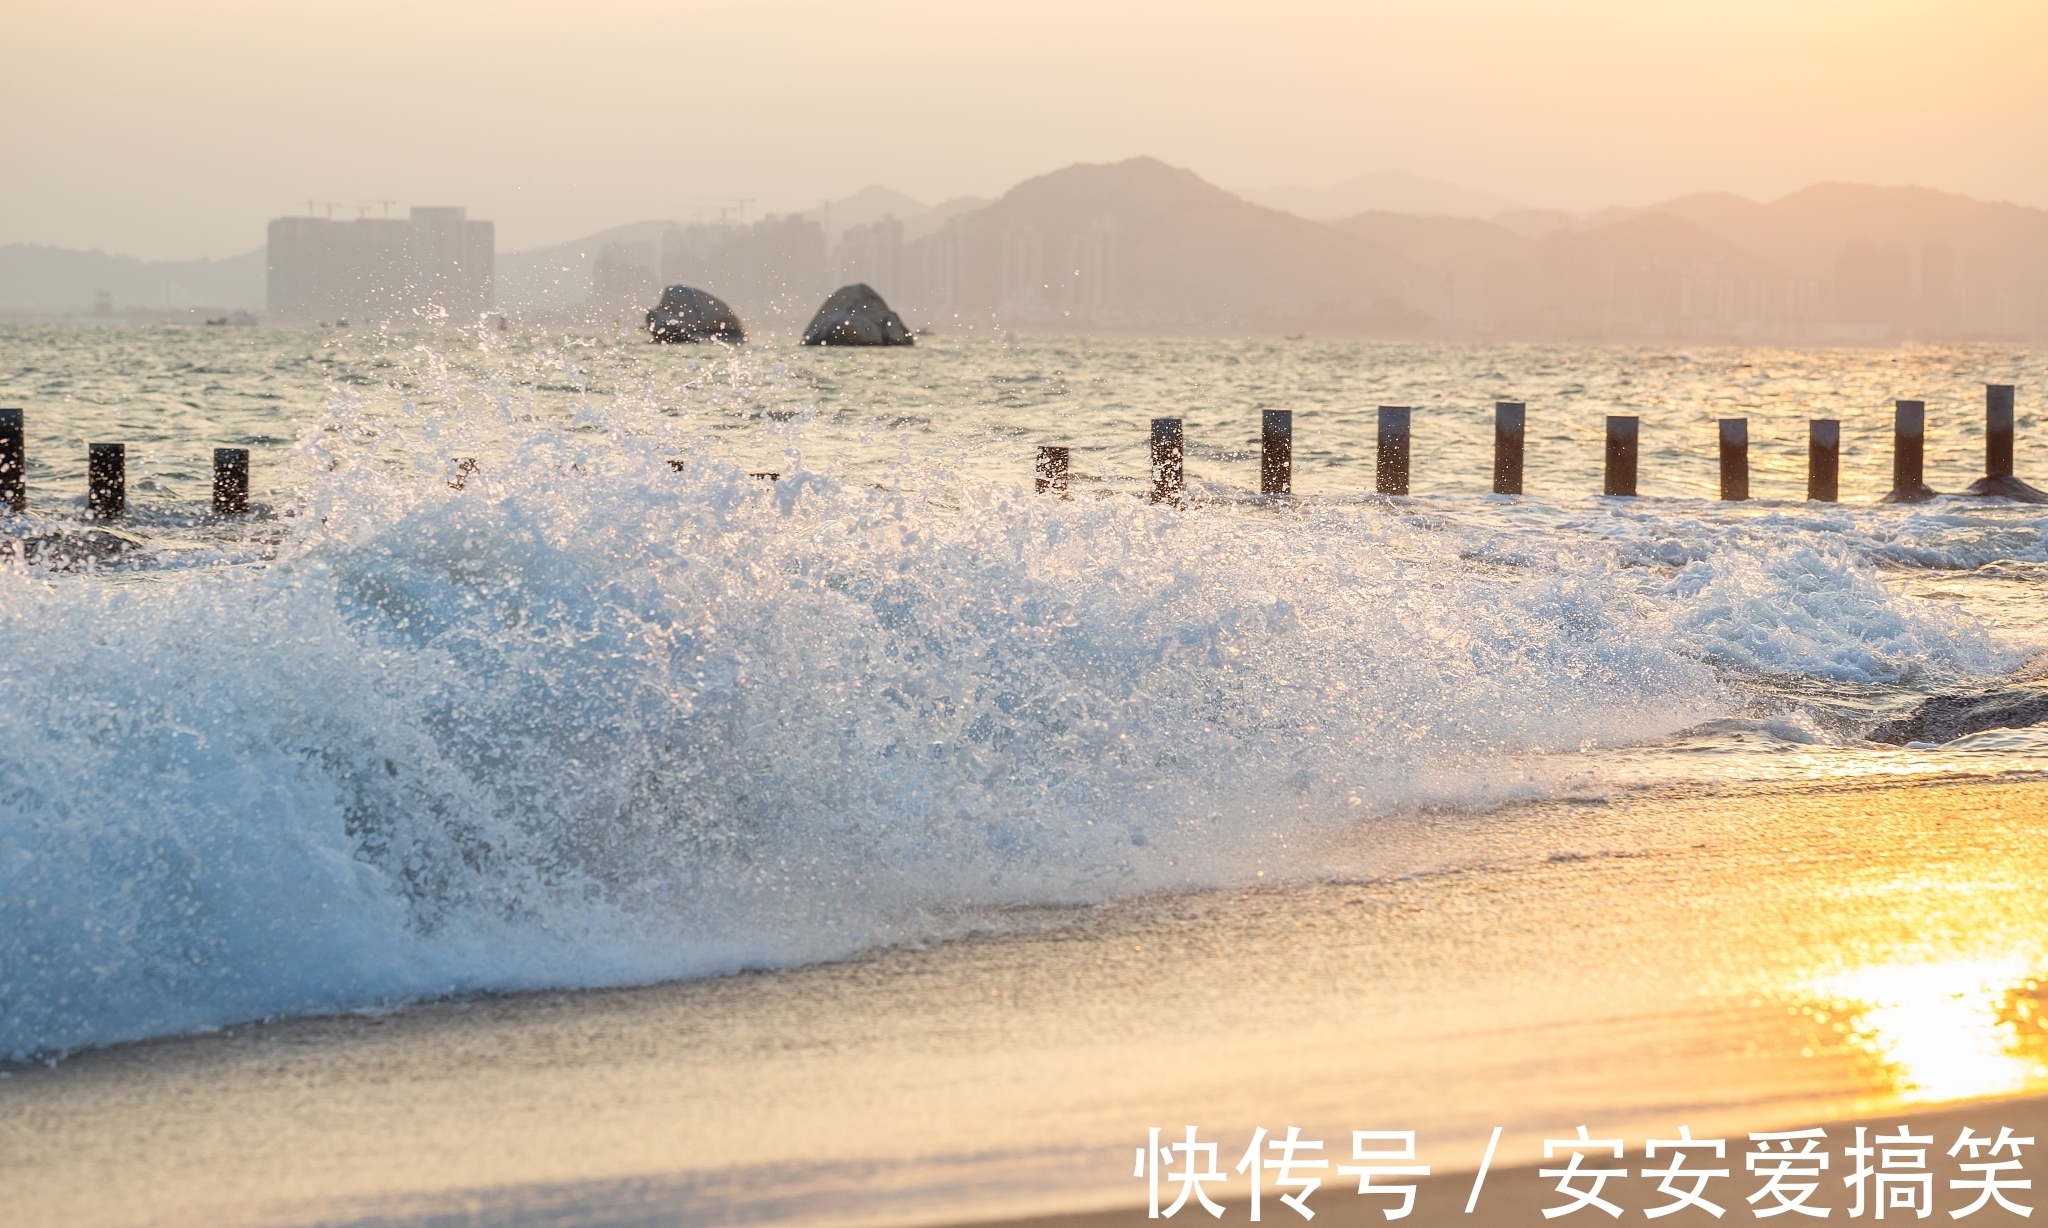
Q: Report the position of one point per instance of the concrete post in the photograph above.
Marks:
(1823, 459)
(106, 480)
(1168, 438)
(13, 461)
(1998, 430)
(1276, 452)
(1050, 471)
(1622, 432)
(1998, 479)
(230, 481)
(1390, 474)
(1909, 445)
(1509, 418)
(1734, 459)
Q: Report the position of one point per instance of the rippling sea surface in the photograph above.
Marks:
(602, 707)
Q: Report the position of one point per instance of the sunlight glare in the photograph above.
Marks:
(1947, 1030)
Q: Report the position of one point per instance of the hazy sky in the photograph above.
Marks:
(169, 129)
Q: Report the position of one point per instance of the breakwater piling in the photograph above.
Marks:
(1998, 430)
(230, 481)
(1909, 449)
(1167, 471)
(1622, 433)
(1390, 470)
(1734, 460)
(1276, 452)
(1509, 420)
(1823, 459)
(1051, 470)
(106, 480)
(1998, 480)
(13, 461)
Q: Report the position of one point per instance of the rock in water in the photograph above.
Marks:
(856, 315)
(2006, 486)
(64, 550)
(686, 313)
(1944, 718)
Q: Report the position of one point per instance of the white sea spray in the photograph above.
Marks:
(1813, 607)
(594, 719)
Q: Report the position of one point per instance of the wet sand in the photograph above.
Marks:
(1751, 959)
(1519, 1196)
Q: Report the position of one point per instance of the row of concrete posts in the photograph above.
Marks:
(1390, 471)
(107, 483)
(106, 474)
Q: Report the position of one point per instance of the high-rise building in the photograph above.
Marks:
(626, 275)
(872, 254)
(435, 267)
(786, 264)
(451, 264)
(775, 267)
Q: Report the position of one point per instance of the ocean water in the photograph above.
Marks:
(517, 678)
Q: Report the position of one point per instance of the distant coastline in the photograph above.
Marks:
(1140, 248)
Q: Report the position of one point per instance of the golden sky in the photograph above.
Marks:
(177, 129)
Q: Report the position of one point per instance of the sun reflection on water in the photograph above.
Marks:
(1948, 1030)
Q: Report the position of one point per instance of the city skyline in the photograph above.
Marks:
(436, 262)
(1142, 246)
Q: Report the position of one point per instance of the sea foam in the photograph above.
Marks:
(596, 718)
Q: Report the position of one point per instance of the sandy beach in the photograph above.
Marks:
(972, 616)
(1519, 1195)
(1755, 958)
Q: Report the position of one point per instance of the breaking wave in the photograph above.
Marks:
(597, 718)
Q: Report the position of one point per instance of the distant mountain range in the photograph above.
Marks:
(875, 204)
(1144, 246)
(1390, 191)
(1139, 246)
(1833, 262)
(39, 279)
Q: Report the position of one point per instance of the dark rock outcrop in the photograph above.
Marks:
(2006, 486)
(1918, 493)
(1944, 718)
(856, 315)
(67, 549)
(686, 313)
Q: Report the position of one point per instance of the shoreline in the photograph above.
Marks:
(1057, 916)
(1654, 953)
(1518, 1195)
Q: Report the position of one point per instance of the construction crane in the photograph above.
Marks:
(695, 208)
